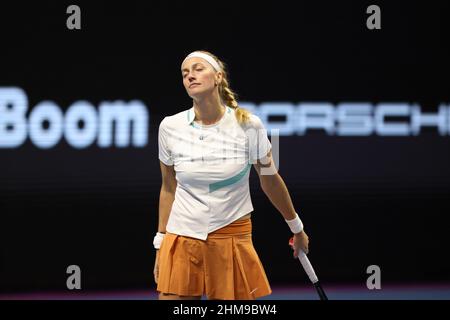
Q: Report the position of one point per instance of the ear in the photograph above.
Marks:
(219, 77)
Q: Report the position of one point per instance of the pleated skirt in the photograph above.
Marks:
(225, 266)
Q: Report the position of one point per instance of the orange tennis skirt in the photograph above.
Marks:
(225, 266)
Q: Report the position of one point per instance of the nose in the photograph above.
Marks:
(191, 78)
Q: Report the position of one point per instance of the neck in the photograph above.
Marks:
(208, 110)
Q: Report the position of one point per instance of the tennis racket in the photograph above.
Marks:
(309, 271)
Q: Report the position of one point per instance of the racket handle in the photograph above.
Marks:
(320, 291)
(307, 267)
(310, 271)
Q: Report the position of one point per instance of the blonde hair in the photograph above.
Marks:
(228, 96)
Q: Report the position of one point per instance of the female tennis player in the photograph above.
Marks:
(204, 239)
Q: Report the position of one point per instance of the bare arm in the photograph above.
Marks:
(166, 198)
(167, 195)
(275, 189)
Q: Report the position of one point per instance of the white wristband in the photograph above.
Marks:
(157, 240)
(295, 224)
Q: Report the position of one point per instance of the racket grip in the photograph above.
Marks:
(307, 267)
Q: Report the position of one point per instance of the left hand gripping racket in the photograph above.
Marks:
(309, 271)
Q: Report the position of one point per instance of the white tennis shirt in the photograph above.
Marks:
(212, 164)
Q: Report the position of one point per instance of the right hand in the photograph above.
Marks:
(156, 267)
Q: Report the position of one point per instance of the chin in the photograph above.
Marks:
(199, 94)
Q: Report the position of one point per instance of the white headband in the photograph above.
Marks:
(204, 56)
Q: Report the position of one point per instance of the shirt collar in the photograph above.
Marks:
(191, 114)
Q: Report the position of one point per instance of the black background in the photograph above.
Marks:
(364, 200)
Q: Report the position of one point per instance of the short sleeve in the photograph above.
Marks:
(165, 154)
(259, 143)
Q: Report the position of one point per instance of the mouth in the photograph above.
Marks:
(194, 84)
